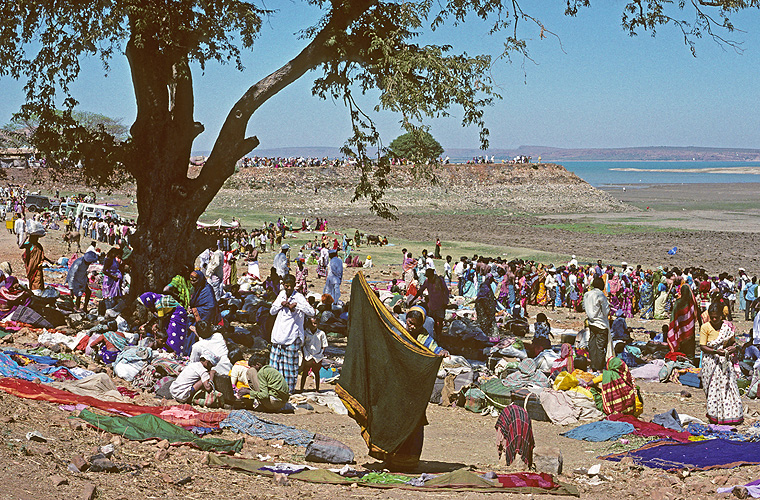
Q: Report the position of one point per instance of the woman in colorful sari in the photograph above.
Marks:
(34, 257)
(660, 311)
(181, 288)
(617, 389)
(717, 342)
(324, 258)
(112, 278)
(301, 275)
(172, 319)
(646, 300)
(626, 296)
(541, 295)
(202, 303)
(12, 294)
(614, 286)
(469, 289)
(485, 308)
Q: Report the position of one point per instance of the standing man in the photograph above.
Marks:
(281, 263)
(334, 275)
(291, 307)
(598, 270)
(750, 297)
(215, 270)
(597, 311)
(19, 229)
(77, 279)
(438, 299)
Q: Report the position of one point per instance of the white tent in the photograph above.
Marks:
(219, 224)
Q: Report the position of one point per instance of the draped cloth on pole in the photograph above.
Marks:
(387, 376)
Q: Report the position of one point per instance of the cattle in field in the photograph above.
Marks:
(373, 239)
(72, 237)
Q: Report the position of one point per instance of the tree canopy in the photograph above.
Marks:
(416, 146)
(355, 46)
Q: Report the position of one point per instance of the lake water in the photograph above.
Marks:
(646, 173)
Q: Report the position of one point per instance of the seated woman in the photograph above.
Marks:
(172, 319)
(619, 327)
(12, 294)
(181, 288)
(618, 392)
(541, 335)
(202, 301)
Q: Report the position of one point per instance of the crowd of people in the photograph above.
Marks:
(224, 333)
(292, 161)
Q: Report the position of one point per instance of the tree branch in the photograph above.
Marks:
(231, 144)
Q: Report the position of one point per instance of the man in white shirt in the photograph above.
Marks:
(290, 307)
(194, 377)
(215, 270)
(210, 341)
(334, 276)
(281, 263)
(550, 282)
(19, 229)
(598, 312)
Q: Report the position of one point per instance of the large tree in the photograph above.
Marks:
(357, 45)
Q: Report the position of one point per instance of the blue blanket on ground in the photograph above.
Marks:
(9, 368)
(604, 430)
(247, 422)
(696, 455)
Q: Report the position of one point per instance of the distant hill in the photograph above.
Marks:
(550, 154)
(651, 153)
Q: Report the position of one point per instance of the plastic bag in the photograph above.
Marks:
(34, 228)
(564, 382)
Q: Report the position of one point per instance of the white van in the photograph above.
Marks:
(68, 209)
(89, 210)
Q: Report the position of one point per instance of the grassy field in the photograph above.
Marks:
(391, 254)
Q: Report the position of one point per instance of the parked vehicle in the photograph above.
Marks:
(68, 209)
(37, 203)
(89, 210)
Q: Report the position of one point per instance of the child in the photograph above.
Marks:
(314, 344)
(542, 334)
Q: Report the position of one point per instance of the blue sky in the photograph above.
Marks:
(605, 90)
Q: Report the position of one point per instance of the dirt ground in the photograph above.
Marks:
(454, 438)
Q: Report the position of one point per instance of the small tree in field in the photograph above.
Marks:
(417, 146)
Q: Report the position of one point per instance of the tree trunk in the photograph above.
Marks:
(166, 239)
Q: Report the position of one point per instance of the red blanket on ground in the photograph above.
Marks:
(187, 417)
(650, 429)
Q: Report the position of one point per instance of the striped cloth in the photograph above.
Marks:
(516, 434)
(618, 390)
(247, 422)
(286, 360)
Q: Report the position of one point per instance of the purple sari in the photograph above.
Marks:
(112, 286)
(176, 329)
